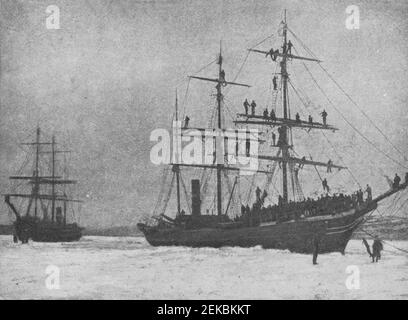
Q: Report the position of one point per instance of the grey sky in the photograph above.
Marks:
(107, 78)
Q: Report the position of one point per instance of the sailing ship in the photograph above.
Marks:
(44, 219)
(298, 224)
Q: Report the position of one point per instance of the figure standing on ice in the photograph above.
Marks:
(377, 248)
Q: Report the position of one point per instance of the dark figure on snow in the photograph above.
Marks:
(377, 248)
(369, 193)
(247, 147)
(275, 84)
(324, 116)
(253, 106)
(315, 249)
(273, 138)
(397, 181)
(325, 185)
(273, 115)
(246, 106)
(297, 117)
(186, 121)
(406, 178)
(265, 114)
(290, 45)
(310, 119)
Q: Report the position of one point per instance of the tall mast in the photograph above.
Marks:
(220, 80)
(219, 165)
(36, 173)
(176, 167)
(284, 146)
(53, 178)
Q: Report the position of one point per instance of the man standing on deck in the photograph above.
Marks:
(369, 193)
(258, 195)
(397, 181)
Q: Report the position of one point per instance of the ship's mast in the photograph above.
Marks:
(219, 165)
(284, 146)
(53, 178)
(176, 167)
(220, 80)
(36, 173)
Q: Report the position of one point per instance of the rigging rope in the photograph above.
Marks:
(328, 140)
(386, 242)
(348, 122)
(348, 96)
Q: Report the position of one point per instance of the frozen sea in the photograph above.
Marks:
(128, 268)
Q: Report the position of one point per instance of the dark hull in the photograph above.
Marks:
(41, 231)
(332, 233)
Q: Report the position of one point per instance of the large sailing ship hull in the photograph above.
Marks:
(46, 231)
(332, 233)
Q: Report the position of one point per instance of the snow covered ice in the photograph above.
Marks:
(129, 268)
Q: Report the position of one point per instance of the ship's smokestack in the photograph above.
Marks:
(195, 197)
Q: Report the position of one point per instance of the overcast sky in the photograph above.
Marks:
(107, 78)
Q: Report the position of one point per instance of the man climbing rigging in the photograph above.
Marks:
(265, 113)
(186, 121)
(324, 116)
(302, 163)
(253, 106)
(273, 115)
(397, 181)
(290, 45)
(325, 185)
(369, 193)
(275, 84)
(246, 106)
(329, 166)
(222, 76)
(273, 138)
(297, 117)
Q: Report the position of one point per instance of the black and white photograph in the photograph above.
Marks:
(183, 150)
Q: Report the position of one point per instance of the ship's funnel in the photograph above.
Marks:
(195, 197)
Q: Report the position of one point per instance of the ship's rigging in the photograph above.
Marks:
(286, 158)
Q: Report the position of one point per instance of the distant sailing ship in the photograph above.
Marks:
(44, 219)
(298, 224)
